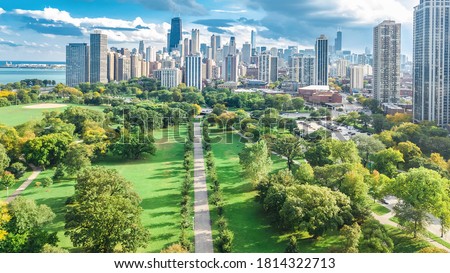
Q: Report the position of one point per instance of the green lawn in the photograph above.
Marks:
(17, 114)
(378, 208)
(405, 243)
(252, 230)
(157, 179)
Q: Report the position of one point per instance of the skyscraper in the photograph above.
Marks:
(264, 63)
(246, 53)
(98, 58)
(232, 46)
(213, 47)
(195, 41)
(193, 71)
(253, 39)
(273, 69)
(77, 64)
(142, 48)
(230, 68)
(150, 54)
(176, 33)
(431, 81)
(386, 62)
(338, 41)
(321, 61)
(357, 77)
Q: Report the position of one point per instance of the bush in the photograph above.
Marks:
(225, 241)
(175, 248)
(38, 184)
(17, 169)
(59, 172)
(47, 182)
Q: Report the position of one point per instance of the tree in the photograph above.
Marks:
(301, 211)
(409, 150)
(350, 236)
(386, 161)
(219, 109)
(227, 119)
(225, 241)
(421, 191)
(304, 173)
(255, 161)
(47, 150)
(26, 227)
(375, 238)
(354, 186)
(367, 146)
(319, 153)
(77, 158)
(5, 217)
(17, 169)
(292, 245)
(377, 185)
(134, 146)
(344, 151)
(298, 103)
(7, 180)
(350, 99)
(104, 213)
(4, 159)
(290, 147)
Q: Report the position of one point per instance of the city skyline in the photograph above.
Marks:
(40, 31)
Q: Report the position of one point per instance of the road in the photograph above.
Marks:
(202, 220)
(36, 172)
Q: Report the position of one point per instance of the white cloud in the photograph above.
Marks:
(149, 31)
(229, 11)
(4, 29)
(367, 12)
(2, 11)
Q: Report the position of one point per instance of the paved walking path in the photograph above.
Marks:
(385, 220)
(202, 220)
(36, 172)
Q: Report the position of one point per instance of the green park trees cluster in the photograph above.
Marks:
(224, 240)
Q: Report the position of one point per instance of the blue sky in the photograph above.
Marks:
(40, 29)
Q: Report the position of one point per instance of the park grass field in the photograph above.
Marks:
(18, 114)
(157, 179)
(253, 232)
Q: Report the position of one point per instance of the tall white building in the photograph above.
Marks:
(431, 80)
(307, 70)
(77, 64)
(357, 77)
(294, 68)
(264, 63)
(169, 78)
(193, 71)
(386, 62)
(341, 68)
(150, 54)
(246, 53)
(98, 58)
(195, 41)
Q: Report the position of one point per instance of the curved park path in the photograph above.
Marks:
(202, 220)
(36, 172)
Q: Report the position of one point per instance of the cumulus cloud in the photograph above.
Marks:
(2, 11)
(183, 7)
(58, 22)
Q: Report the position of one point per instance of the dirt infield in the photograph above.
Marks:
(45, 106)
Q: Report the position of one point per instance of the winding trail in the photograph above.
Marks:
(202, 220)
(30, 179)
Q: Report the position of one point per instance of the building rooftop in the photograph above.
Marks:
(316, 87)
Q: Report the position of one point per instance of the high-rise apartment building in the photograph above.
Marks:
(141, 49)
(273, 69)
(321, 61)
(307, 70)
(357, 77)
(213, 47)
(232, 46)
(150, 54)
(386, 62)
(124, 68)
(169, 77)
(193, 71)
(98, 58)
(176, 33)
(431, 58)
(230, 68)
(341, 68)
(77, 64)
(264, 63)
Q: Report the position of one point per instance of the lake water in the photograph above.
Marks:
(8, 75)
